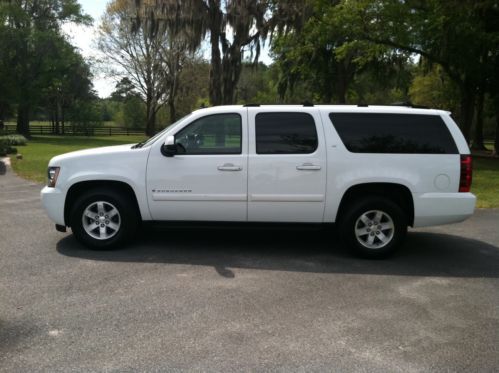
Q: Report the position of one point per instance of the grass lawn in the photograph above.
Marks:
(46, 123)
(486, 182)
(40, 149)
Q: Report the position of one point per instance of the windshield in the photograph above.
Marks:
(159, 134)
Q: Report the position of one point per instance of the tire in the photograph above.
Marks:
(114, 212)
(366, 239)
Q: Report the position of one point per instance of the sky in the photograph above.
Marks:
(83, 37)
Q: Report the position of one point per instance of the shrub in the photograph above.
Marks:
(5, 148)
(15, 140)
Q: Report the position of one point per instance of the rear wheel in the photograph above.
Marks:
(103, 219)
(373, 227)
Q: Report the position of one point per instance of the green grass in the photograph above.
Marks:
(46, 123)
(41, 149)
(486, 182)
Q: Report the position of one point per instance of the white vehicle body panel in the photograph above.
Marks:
(268, 187)
(278, 189)
(191, 187)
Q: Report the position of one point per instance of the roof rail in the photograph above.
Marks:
(308, 104)
(409, 104)
(251, 105)
(362, 105)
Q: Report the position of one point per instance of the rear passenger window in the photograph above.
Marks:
(394, 133)
(285, 133)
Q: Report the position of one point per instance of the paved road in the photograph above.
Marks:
(244, 300)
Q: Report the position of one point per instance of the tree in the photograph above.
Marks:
(433, 88)
(123, 90)
(320, 53)
(235, 27)
(151, 64)
(68, 80)
(451, 33)
(28, 30)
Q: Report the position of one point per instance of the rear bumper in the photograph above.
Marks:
(53, 202)
(442, 208)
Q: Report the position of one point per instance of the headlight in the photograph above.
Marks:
(53, 173)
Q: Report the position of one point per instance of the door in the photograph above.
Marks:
(287, 166)
(207, 179)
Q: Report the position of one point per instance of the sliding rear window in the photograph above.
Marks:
(393, 133)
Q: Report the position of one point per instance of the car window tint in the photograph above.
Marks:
(213, 134)
(393, 133)
(285, 133)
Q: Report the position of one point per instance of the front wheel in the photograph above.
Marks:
(103, 219)
(373, 227)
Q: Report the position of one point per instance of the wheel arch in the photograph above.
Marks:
(83, 186)
(398, 193)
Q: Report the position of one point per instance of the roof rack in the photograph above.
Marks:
(409, 104)
(402, 103)
(305, 104)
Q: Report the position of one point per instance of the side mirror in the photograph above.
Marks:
(169, 148)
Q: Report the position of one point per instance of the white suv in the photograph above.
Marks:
(373, 170)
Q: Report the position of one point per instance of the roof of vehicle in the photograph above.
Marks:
(333, 108)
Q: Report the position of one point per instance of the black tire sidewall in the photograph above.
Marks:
(126, 210)
(356, 209)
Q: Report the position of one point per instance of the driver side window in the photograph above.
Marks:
(212, 134)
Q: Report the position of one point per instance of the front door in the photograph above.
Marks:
(287, 166)
(207, 180)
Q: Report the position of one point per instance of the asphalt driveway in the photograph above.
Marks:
(211, 300)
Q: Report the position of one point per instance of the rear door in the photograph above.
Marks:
(286, 165)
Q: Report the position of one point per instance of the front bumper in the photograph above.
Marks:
(53, 202)
(442, 208)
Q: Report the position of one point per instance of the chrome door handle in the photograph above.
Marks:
(229, 167)
(308, 166)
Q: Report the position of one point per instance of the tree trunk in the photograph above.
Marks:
(23, 120)
(57, 123)
(215, 73)
(62, 120)
(231, 71)
(478, 135)
(341, 83)
(496, 141)
(150, 117)
(150, 114)
(215, 90)
(467, 109)
(173, 111)
(52, 121)
(151, 123)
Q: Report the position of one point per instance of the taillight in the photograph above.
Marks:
(466, 173)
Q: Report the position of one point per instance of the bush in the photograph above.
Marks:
(5, 148)
(16, 140)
